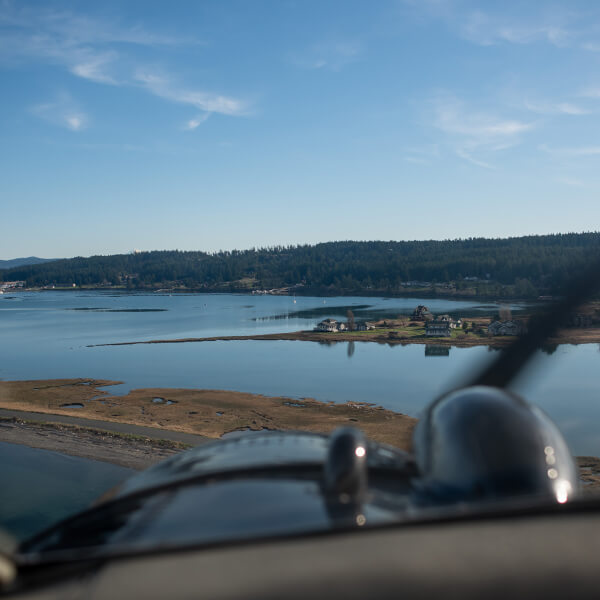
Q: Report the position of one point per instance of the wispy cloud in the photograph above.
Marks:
(591, 92)
(97, 51)
(196, 122)
(79, 43)
(416, 160)
(421, 155)
(479, 127)
(162, 86)
(484, 128)
(486, 29)
(77, 29)
(94, 68)
(462, 153)
(577, 151)
(332, 56)
(591, 46)
(557, 108)
(471, 132)
(62, 112)
(524, 23)
(570, 182)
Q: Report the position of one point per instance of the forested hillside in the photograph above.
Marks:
(21, 262)
(524, 266)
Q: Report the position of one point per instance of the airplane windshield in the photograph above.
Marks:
(270, 268)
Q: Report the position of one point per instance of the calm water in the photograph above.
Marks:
(40, 487)
(47, 334)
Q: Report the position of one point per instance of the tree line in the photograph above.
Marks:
(519, 266)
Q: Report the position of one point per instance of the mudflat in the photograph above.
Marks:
(209, 413)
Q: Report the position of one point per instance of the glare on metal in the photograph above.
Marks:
(562, 489)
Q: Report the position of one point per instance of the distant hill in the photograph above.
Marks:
(522, 267)
(22, 262)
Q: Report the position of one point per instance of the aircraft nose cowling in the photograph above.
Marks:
(486, 443)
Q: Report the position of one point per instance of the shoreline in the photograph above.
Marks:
(138, 453)
(588, 335)
(164, 437)
(424, 293)
(206, 414)
(124, 450)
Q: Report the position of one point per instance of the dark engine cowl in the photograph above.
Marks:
(486, 443)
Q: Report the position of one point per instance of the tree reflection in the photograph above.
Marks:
(549, 349)
(350, 349)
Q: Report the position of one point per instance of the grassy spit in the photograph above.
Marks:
(210, 413)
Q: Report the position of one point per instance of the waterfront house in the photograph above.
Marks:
(420, 312)
(437, 329)
(448, 319)
(328, 325)
(12, 285)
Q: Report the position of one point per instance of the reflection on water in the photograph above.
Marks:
(118, 310)
(351, 349)
(401, 308)
(436, 350)
(40, 487)
(318, 312)
(329, 343)
(549, 349)
(163, 401)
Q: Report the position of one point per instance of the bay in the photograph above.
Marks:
(47, 334)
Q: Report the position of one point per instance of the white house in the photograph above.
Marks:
(448, 319)
(329, 325)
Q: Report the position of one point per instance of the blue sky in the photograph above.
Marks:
(213, 125)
